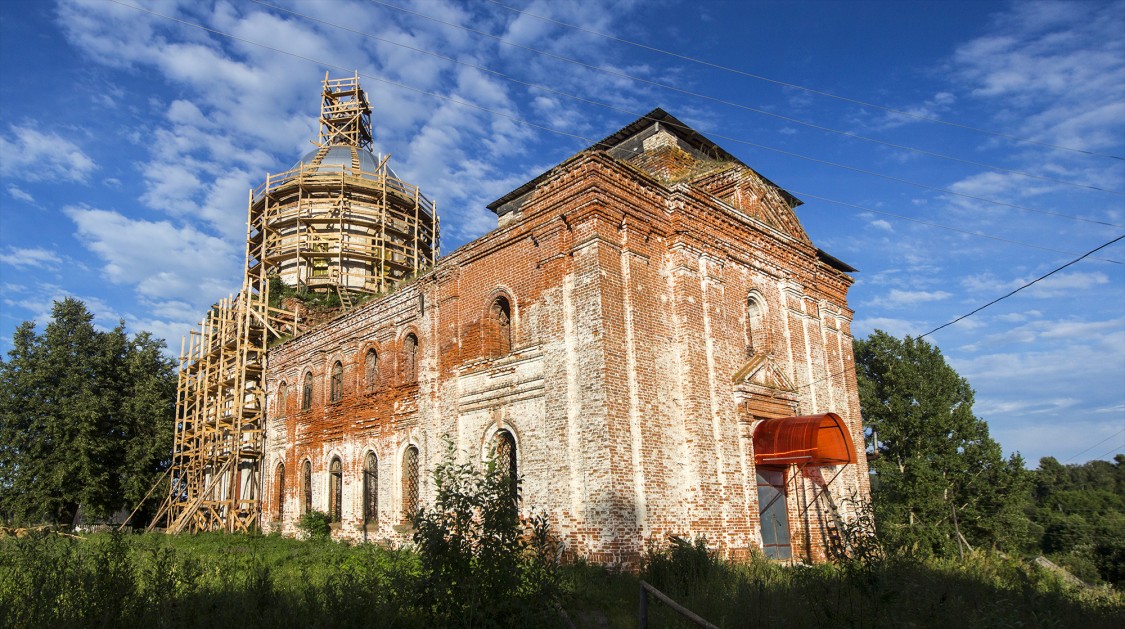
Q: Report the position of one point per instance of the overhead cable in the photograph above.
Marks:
(1032, 282)
(803, 88)
(1075, 456)
(552, 90)
(519, 120)
(714, 134)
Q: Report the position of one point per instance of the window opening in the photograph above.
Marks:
(306, 393)
(335, 490)
(306, 487)
(755, 334)
(409, 482)
(281, 399)
(279, 483)
(774, 513)
(504, 451)
(371, 369)
(410, 355)
(501, 326)
(370, 489)
(337, 388)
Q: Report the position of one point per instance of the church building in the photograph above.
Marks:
(648, 339)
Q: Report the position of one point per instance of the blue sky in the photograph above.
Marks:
(128, 142)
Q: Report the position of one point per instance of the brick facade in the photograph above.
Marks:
(638, 309)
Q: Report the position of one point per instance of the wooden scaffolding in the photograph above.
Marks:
(340, 220)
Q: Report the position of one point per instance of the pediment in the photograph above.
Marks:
(750, 193)
(762, 370)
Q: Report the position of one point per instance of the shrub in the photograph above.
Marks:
(480, 566)
(314, 525)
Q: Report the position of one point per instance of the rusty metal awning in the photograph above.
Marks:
(816, 439)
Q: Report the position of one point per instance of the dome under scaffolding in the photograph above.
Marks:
(340, 220)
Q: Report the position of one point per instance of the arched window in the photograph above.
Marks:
(306, 392)
(410, 482)
(755, 326)
(280, 410)
(370, 489)
(410, 358)
(371, 370)
(279, 491)
(335, 490)
(337, 383)
(500, 327)
(306, 487)
(504, 451)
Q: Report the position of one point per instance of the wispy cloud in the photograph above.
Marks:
(19, 195)
(28, 154)
(32, 257)
(1058, 285)
(897, 298)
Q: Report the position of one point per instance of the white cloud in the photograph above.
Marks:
(1058, 285)
(32, 257)
(1061, 61)
(895, 327)
(162, 260)
(897, 298)
(27, 154)
(19, 195)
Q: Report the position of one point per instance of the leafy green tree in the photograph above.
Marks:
(86, 418)
(1078, 513)
(940, 476)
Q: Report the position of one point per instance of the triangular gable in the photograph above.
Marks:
(628, 141)
(763, 371)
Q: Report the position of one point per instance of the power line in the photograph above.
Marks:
(1038, 279)
(711, 98)
(994, 301)
(712, 133)
(1105, 454)
(548, 129)
(958, 230)
(803, 88)
(1095, 445)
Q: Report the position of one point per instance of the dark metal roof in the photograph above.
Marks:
(690, 136)
(834, 262)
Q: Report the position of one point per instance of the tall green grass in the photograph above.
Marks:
(218, 580)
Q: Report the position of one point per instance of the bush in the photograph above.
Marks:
(680, 565)
(481, 566)
(314, 525)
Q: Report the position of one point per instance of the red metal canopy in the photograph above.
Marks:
(816, 439)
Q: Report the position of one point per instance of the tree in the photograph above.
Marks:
(1078, 514)
(86, 418)
(940, 476)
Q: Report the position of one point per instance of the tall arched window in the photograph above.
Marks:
(337, 383)
(370, 489)
(371, 370)
(755, 326)
(410, 358)
(504, 451)
(306, 392)
(279, 491)
(410, 482)
(280, 410)
(335, 490)
(306, 487)
(500, 327)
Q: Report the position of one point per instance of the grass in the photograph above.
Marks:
(252, 580)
